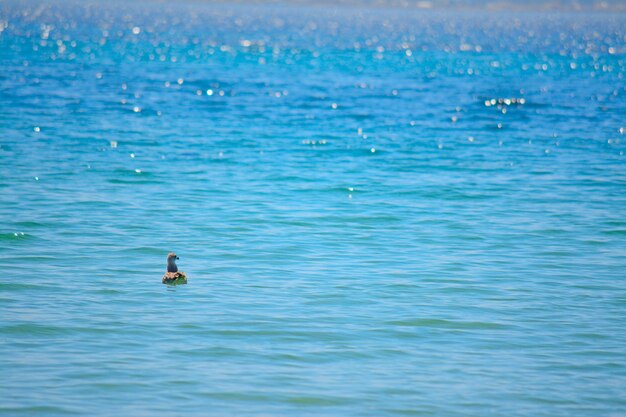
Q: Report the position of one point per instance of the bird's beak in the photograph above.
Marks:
(177, 258)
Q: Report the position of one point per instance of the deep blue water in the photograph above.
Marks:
(381, 212)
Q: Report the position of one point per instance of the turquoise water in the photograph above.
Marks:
(380, 212)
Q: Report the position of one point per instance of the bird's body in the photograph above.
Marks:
(174, 278)
(173, 275)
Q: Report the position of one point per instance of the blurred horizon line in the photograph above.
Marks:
(610, 6)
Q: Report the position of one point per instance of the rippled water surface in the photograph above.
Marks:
(381, 212)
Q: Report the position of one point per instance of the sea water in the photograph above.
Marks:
(381, 211)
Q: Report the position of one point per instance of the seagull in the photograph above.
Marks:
(173, 276)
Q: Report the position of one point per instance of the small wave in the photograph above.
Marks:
(447, 324)
(310, 401)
